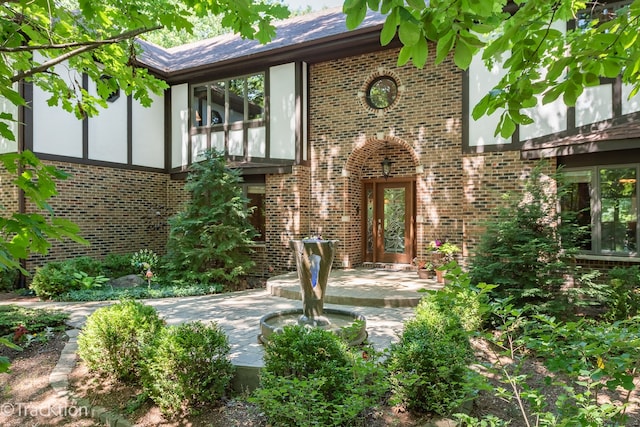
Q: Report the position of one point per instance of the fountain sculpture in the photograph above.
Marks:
(314, 258)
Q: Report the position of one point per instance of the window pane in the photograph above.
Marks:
(256, 196)
(217, 103)
(618, 205)
(577, 200)
(255, 96)
(236, 100)
(199, 106)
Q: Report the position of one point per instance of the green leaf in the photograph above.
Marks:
(388, 29)
(417, 4)
(373, 4)
(571, 93)
(355, 14)
(409, 33)
(611, 68)
(552, 94)
(9, 344)
(420, 52)
(444, 46)
(404, 56)
(463, 54)
(480, 108)
(506, 126)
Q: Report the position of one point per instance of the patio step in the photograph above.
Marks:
(387, 266)
(361, 287)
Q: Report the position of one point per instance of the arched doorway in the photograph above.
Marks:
(387, 217)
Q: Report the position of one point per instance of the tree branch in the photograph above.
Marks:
(83, 47)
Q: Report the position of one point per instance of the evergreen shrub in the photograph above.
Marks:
(312, 378)
(114, 338)
(210, 240)
(188, 367)
(429, 365)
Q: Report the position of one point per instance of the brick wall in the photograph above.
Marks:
(454, 192)
(117, 210)
(288, 216)
(8, 193)
(423, 128)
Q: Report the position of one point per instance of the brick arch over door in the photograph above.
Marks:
(364, 161)
(363, 164)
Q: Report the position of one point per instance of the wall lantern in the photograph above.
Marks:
(386, 167)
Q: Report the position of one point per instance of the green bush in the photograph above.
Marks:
(429, 365)
(188, 366)
(92, 267)
(59, 277)
(210, 241)
(310, 377)
(623, 300)
(114, 337)
(8, 278)
(117, 265)
(53, 279)
(466, 301)
(527, 245)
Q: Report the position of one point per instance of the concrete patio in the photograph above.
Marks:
(385, 297)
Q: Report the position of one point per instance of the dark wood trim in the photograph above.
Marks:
(168, 149)
(616, 96)
(391, 179)
(299, 138)
(179, 175)
(89, 162)
(25, 117)
(620, 157)
(267, 113)
(466, 109)
(591, 147)
(85, 122)
(307, 113)
(129, 130)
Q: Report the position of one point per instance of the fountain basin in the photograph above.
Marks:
(347, 324)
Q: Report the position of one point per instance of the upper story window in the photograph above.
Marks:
(605, 199)
(229, 116)
(228, 102)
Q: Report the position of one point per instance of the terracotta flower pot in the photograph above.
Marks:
(424, 274)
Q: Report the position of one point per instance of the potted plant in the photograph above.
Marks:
(443, 253)
(425, 268)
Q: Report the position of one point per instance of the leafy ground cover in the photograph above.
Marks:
(29, 382)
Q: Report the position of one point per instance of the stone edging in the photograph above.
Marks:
(59, 381)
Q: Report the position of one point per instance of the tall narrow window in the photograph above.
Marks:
(236, 100)
(577, 199)
(256, 196)
(619, 213)
(199, 105)
(255, 96)
(217, 103)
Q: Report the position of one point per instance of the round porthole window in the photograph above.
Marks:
(382, 92)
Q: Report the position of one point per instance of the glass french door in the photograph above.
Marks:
(388, 220)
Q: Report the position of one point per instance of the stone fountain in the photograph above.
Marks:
(314, 258)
